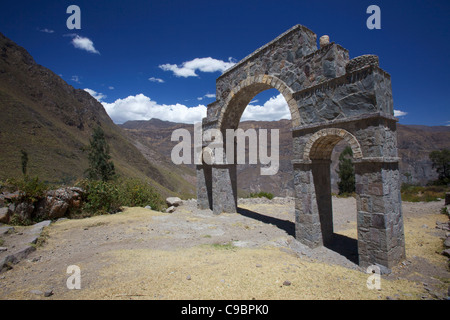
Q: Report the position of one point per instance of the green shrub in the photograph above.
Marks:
(109, 196)
(262, 194)
(346, 172)
(30, 189)
(412, 193)
(100, 197)
(136, 193)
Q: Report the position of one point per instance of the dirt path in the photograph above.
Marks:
(192, 254)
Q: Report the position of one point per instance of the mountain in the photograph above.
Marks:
(414, 143)
(52, 121)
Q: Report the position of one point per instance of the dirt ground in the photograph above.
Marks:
(193, 254)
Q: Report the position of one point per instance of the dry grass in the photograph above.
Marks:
(219, 271)
(239, 273)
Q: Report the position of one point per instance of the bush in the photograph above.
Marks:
(412, 193)
(109, 196)
(136, 193)
(346, 172)
(262, 194)
(30, 189)
(100, 197)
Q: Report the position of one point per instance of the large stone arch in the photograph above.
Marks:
(241, 95)
(331, 98)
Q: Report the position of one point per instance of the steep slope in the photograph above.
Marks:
(415, 144)
(153, 139)
(52, 121)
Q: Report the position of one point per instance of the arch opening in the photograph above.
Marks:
(319, 151)
(239, 98)
(267, 133)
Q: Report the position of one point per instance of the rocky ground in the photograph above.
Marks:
(193, 254)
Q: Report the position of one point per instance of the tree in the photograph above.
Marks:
(346, 172)
(100, 166)
(441, 162)
(24, 159)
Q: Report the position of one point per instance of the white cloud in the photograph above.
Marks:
(448, 124)
(97, 95)
(188, 68)
(275, 108)
(83, 43)
(111, 88)
(153, 79)
(46, 30)
(75, 79)
(399, 113)
(141, 107)
(208, 95)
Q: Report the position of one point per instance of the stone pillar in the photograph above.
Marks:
(307, 220)
(313, 204)
(204, 187)
(379, 213)
(322, 185)
(224, 186)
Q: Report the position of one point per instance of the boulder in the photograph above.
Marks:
(6, 230)
(55, 204)
(6, 197)
(56, 208)
(58, 202)
(170, 209)
(446, 253)
(447, 242)
(174, 201)
(24, 210)
(4, 215)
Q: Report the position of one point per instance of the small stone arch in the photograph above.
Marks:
(321, 144)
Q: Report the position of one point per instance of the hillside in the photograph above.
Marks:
(414, 142)
(52, 121)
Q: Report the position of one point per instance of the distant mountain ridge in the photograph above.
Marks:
(415, 142)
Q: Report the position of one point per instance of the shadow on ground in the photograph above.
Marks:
(343, 245)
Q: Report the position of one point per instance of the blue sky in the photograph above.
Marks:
(146, 59)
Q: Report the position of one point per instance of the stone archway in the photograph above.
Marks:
(331, 98)
(245, 91)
